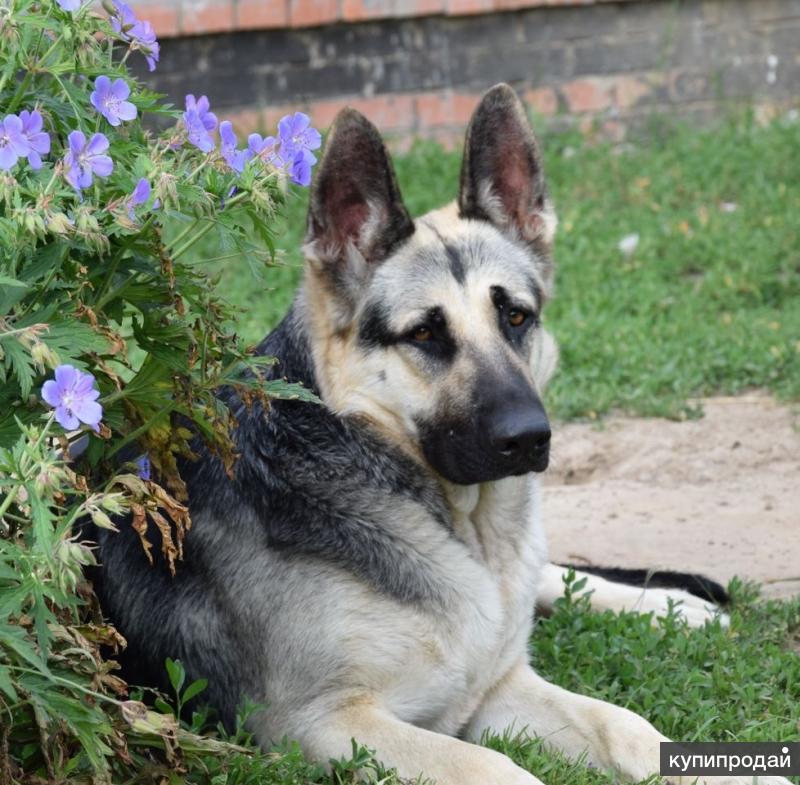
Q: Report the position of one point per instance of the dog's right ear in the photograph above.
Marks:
(502, 180)
(356, 215)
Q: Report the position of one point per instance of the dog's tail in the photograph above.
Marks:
(699, 585)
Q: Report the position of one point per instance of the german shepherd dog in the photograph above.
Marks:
(370, 570)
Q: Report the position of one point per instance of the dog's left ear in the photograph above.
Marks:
(502, 180)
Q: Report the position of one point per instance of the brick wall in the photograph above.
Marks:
(194, 17)
(417, 67)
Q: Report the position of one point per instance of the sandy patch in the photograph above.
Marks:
(719, 495)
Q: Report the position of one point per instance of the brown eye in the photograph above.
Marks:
(422, 333)
(516, 318)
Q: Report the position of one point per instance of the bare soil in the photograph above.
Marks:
(719, 495)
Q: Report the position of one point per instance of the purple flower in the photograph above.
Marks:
(196, 131)
(141, 193)
(38, 140)
(143, 467)
(145, 39)
(138, 33)
(264, 148)
(13, 144)
(236, 159)
(74, 398)
(69, 5)
(296, 134)
(199, 122)
(87, 159)
(109, 99)
(301, 167)
(123, 20)
(201, 106)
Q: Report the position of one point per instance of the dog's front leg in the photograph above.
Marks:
(414, 752)
(611, 737)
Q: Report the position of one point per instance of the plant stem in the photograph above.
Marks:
(192, 240)
(202, 232)
(143, 428)
(20, 94)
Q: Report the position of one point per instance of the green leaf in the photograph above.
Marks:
(19, 361)
(194, 689)
(176, 673)
(6, 281)
(14, 638)
(6, 684)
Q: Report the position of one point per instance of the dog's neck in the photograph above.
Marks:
(495, 518)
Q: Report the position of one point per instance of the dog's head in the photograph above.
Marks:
(430, 328)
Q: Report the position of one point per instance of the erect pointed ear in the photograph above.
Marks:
(502, 180)
(356, 215)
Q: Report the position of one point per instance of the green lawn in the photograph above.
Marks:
(708, 303)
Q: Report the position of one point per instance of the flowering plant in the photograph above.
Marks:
(113, 341)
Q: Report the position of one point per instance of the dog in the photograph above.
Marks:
(370, 569)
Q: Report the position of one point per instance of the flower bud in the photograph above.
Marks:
(59, 224)
(43, 356)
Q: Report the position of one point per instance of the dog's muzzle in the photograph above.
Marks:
(519, 437)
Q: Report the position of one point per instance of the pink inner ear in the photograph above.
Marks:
(514, 182)
(351, 220)
(347, 213)
(512, 185)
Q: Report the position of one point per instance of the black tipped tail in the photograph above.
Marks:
(695, 584)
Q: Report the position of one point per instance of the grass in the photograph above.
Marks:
(708, 303)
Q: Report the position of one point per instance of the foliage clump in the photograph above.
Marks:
(112, 344)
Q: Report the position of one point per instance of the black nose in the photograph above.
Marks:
(519, 433)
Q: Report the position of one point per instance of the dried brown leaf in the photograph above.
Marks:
(170, 550)
(139, 523)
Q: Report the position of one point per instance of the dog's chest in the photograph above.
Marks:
(486, 627)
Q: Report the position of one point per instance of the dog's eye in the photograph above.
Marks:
(516, 318)
(422, 333)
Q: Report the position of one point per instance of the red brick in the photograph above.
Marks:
(272, 115)
(261, 14)
(587, 95)
(387, 112)
(629, 89)
(419, 7)
(245, 122)
(542, 100)
(307, 13)
(164, 18)
(323, 113)
(461, 7)
(213, 16)
(445, 109)
(358, 10)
